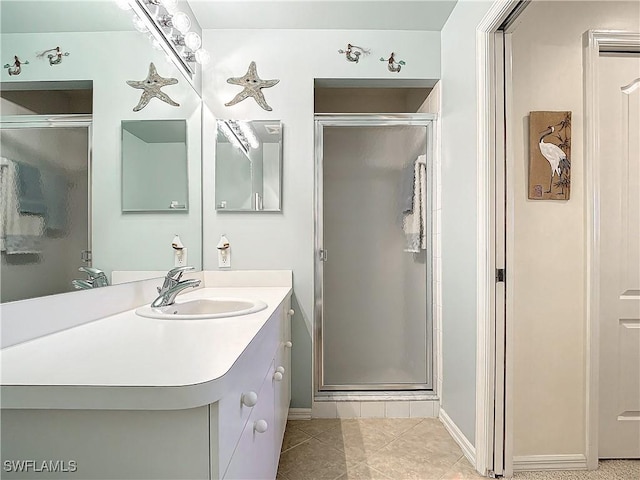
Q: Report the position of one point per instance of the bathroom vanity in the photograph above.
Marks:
(130, 397)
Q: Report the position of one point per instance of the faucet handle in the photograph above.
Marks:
(92, 272)
(176, 273)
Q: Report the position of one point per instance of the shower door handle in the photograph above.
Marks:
(323, 255)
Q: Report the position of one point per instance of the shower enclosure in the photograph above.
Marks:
(373, 292)
(44, 203)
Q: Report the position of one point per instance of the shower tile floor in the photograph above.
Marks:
(371, 448)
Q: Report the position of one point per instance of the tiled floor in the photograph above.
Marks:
(376, 448)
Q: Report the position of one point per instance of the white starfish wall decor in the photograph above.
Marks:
(253, 86)
(151, 88)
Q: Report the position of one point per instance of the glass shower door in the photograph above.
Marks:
(44, 204)
(375, 309)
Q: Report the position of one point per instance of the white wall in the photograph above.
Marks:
(458, 217)
(109, 59)
(549, 253)
(296, 57)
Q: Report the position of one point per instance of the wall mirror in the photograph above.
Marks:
(154, 166)
(249, 165)
(86, 98)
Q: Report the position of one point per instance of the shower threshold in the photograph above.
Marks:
(374, 396)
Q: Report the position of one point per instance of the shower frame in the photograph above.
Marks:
(71, 120)
(389, 391)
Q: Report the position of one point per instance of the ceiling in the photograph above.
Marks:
(32, 16)
(29, 16)
(323, 14)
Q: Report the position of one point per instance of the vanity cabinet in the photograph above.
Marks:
(256, 450)
(236, 434)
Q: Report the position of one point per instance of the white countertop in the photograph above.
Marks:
(138, 359)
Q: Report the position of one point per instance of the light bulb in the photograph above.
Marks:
(123, 4)
(139, 25)
(192, 40)
(181, 22)
(155, 43)
(170, 5)
(249, 134)
(202, 56)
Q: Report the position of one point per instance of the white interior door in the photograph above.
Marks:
(619, 169)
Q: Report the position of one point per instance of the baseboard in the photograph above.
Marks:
(467, 448)
(299, 414)
(549, 462)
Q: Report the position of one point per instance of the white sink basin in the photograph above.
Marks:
(203, 308)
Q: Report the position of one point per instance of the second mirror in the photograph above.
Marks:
(154, 166)
(248, 165)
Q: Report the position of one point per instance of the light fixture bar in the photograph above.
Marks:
(233, 137)
(140, 9)
(248, 133)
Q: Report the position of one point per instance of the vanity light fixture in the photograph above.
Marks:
(234, 135)
(248, 133)
(170, 31)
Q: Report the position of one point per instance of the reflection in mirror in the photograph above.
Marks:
(249, 165)
(85, 83)
(154, 166)
(44, 198)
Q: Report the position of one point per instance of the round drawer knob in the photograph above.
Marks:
(261, 426)
(277, 376)
(291, 312)
(288, 344)
(249, 399)
(280, 369)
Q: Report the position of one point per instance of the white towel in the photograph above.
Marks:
(18, 233)
(415, 223)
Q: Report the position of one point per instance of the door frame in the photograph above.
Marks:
(322, 392)
(595, 41)
(494, 411)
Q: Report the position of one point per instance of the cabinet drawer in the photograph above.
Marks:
(254, 457)
(250, 371)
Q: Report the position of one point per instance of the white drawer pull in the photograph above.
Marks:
(288, 344)
(280, 369)
(291, 312)
(277, 376)
(261, 426)
(249, 399)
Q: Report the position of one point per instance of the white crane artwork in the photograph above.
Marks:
(553, 154)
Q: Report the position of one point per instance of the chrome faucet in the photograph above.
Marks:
(81, 284)
(173, 278)
(168, 297)
(97, 278)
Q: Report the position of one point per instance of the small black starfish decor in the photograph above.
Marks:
(151, 88)
(253, 86)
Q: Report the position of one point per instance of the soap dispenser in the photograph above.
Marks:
(224, 252)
